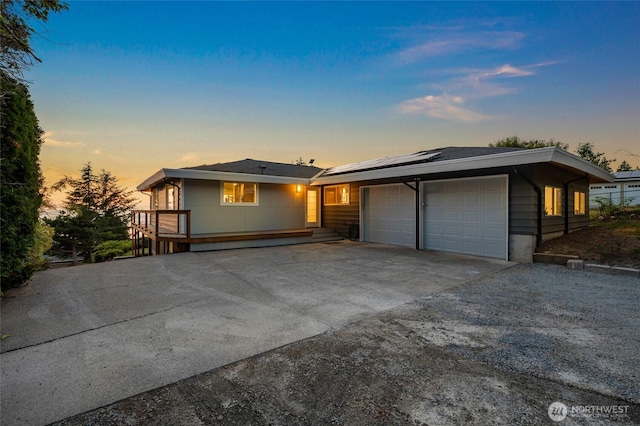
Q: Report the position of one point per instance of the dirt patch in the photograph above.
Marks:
(612, 242)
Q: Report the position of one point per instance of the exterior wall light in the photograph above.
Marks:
(298, 188)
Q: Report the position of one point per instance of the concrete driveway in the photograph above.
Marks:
(83, 337)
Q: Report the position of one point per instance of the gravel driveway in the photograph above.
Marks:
(497, 350)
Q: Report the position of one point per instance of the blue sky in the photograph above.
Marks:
(137, 86)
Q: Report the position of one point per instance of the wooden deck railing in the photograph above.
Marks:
(162, 223)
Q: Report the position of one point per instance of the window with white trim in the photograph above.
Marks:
(239, 193)
(579, 203)
(552, 201)
(336, 195)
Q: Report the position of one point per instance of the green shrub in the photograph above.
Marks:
(43, 240)
(110, 249)
(608, 208)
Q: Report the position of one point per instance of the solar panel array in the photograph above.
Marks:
(380, 163)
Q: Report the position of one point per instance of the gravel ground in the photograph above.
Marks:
(497, 350)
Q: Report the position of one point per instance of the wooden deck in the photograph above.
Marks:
(169, 231)
(233, 236)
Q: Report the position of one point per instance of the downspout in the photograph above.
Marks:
(415, 189)
(566, 201)
(539, 203)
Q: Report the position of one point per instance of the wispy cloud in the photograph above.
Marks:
(470, 86)
(455, 93)
(107, 154)
(50, 140)
(459, 42)
(443, 106)
(487, 83)
(189, 157)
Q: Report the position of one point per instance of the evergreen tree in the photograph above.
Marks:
(97, 210)
(624, 167)
(20, 181)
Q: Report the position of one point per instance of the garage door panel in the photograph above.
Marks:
(451, 230)
(469, 186)
(492, 199)
(494, 217)
(471, 216)
(396, 226)
(471, 247)
(451, 200)
(466, 216)
(493, 247)
(389, 215)
(472, 232)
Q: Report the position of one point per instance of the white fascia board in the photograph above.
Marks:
(218, 176)
(148, 182)
(513, 158)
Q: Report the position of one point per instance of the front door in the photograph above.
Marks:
(312, 216)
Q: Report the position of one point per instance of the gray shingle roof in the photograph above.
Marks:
(258, 167)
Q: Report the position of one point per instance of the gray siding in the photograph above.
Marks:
(340, 217)
(523, 206)
(279, 207)
(554, 176)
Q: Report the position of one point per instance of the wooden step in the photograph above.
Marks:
(325, 234)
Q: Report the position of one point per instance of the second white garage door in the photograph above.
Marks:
(466, 216)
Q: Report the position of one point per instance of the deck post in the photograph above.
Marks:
(188, 223)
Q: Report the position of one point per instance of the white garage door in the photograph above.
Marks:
(466, 216)
(389, 215)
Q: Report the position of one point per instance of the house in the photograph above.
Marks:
(226, 205)
(625, 189)
(494, 202)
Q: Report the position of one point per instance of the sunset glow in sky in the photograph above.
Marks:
(137, 86)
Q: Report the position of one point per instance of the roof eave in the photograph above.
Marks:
(151, 180)
(597, 175)
(216, 175)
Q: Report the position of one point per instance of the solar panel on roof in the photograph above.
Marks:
(634, 174)
(380, 163)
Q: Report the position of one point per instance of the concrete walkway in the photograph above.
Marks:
(83, 337)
